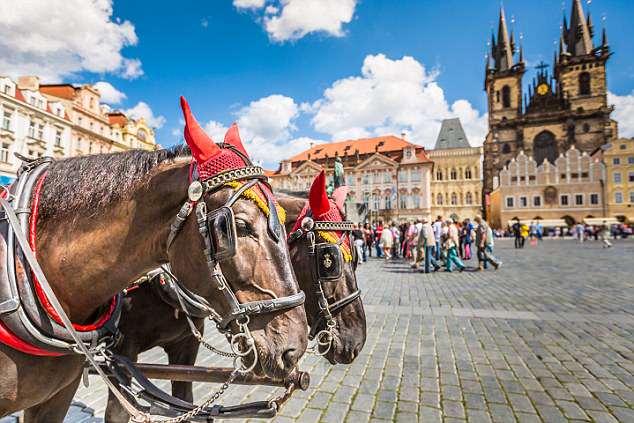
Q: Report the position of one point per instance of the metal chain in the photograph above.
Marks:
(211, 348)
(232, 175)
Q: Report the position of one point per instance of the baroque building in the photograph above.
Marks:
(570, 189)
(30, 124)
(456, 186)
(619, 162)
(388, 177)
(562, 109)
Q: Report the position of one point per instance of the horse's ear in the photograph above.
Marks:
(202, 146)
(340, 195)
(233, 137)
(318, 198)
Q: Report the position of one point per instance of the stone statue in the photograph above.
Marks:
(339, 179)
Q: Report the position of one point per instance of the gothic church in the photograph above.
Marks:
(564, 108)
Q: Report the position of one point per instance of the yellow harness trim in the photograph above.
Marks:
(329, 237)
(251, 195)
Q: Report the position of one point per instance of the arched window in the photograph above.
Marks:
(388, 202)
(454, 174)
(454, 199)
(584, 83)
(468, 199)
(439, 199)
(467, 173)
(439, 175)
(545, 147)
(506, 148)
(506, 96)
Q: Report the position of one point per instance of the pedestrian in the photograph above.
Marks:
(437, 235)
(605, 235)
(467, 230)
(358, 239)
(385, 243)
(483, 240)
(367, 238)
(452, 242)
(523, 234)
(377, 239)
(517, 233)
(429, 246)
(580, 232)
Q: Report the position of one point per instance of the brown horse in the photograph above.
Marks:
(104, 221)
(144, 317)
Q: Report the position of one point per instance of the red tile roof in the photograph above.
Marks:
(384, 144)
(65, 91)
(117, 118)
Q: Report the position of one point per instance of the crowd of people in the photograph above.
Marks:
(443, 243)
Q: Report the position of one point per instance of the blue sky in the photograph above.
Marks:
(232, 64)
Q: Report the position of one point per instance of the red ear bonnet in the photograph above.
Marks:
(317, 198)
(340, 195)
(202, 146)
(233, 137)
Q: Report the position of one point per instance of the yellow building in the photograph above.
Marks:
(456, 186)
(619, 162)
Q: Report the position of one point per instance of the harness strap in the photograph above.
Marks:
(37, 270)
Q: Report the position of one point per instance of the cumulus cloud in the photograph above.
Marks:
(143, 110)
(58, 38)
(287, 20)
(109, 94)
(623, 113)
(248, 4)
(392, 96)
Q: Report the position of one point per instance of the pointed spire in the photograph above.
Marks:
(521, 58)
(578, 38)
(503, 49)
(604, 38)
(590, 25)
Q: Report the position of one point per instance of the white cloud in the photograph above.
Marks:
(392, 96)
(216, 130)
(58, 38)
(623, 113)
(287, 20)
(248, 4)
(109, 94)
(143, 110)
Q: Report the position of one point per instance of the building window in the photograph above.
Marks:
(402, 201)
(586, 128)
(416, 200)
(366, 178)
(350, 180)
(631, 197)
(584, 83)
(415, 175)
(467, 173)
(523, 202)
(453, 174)
(4, 153)
(6, 120)
(630, 176)
(563, 200)
(468, 199)
(402, 175)
(579, 199)
(454, 199)
(439, 199)
(618, 197)
(510, 202)
(32, 129)
(506, 148)
(375, 201)
(40, 132)
(7, 89)
(537, 201)
(387, 176)
(58, 138)
(506, 96)
(439, 175)
(617, 177)
(616, 161)
(594, 199)
(388, 202)
(408, 153)
(497, 96)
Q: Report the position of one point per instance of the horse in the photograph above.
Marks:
(167, 318)
(105, 220)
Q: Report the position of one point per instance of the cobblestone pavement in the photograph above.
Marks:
(549, 337)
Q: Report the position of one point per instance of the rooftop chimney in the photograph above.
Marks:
(403, 134)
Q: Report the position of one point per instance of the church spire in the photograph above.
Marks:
(578, 37)
(502, 50)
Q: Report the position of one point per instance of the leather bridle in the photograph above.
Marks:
(324, 322)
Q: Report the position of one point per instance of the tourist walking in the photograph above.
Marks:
(604, 234)
(580, 232)
(429, 244)
(467, 230)
(484, 237)
(517, 233)
(437, 235)
(385, 243)
(451, 243)
(377, 238)
(358, 239)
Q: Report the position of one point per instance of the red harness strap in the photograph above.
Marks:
(9, 338)
(38, 288)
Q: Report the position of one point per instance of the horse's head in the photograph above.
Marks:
(232, 251)
(325, 261)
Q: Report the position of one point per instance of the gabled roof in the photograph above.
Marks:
(351, 147)
(117, 118)
(65, 91)
(451, 135)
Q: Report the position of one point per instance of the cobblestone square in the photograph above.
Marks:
(549, 337)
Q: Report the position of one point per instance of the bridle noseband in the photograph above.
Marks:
(325, 256)
(218, 232)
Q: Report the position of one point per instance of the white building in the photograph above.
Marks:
(30, 124)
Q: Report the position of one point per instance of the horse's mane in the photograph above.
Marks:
(88, 183)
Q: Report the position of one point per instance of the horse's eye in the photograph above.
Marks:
(244, 228)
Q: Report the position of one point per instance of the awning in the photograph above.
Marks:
(598, 221)
(546, 223)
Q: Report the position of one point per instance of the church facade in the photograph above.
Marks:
(563, 108)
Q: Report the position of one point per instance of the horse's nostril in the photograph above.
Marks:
(290, 357)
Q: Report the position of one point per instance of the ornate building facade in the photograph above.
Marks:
(571, 189)
(456, 186)
(619, 162)
(389, 177)
(31, 125)
(565, 109)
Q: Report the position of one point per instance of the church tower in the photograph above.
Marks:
(503, 85)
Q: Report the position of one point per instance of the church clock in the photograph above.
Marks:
(542, 89)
